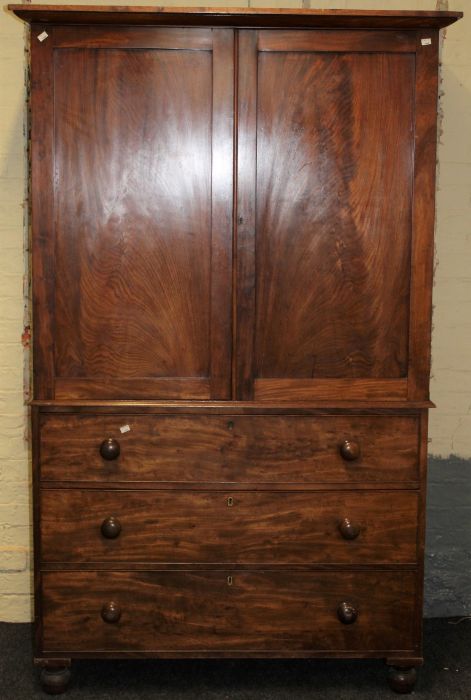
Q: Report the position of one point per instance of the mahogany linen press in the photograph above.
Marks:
(232, 254)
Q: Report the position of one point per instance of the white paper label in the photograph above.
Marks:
(43, 36)
(125, 429)
(425, 42)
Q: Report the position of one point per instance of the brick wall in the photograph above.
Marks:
(15, 535)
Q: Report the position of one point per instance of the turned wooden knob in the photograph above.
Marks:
(346, 613)
(110, 449)
(348, 530)
(350, 450)
(110, 612)
(110, 528)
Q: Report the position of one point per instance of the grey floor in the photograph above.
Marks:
(445, 676)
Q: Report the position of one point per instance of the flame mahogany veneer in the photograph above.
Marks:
(232, 240)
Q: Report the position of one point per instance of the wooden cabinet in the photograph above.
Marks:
(232, 235)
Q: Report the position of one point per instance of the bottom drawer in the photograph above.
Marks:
(227, 611)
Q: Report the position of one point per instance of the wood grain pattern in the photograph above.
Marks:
(329, 40)
(42, 215)
(99, 37)
(199, 611)
(244, 228)
(282, 390)
(312, 567)
(134, 303)
(69, 388)
(407, 657)
(35, 441)
(230, 448)
(302, 408)
(232, 257)
(140, 299)
(333, 253)
(113, 484)
(426, 89)
(232, 16)
(421, 534)
(242, 527)
(222, 186)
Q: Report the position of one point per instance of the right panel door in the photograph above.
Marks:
(325, 214)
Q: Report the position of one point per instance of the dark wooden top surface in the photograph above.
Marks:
(232, 16)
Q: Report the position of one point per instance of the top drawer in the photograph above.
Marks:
(240, 449)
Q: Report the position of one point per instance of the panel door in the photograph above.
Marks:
(132, 212)
(327, 231)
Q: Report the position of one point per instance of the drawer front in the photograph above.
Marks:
(250, 449)
(237, 526)
(224, 611)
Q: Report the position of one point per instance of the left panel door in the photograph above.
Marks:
(132, 152)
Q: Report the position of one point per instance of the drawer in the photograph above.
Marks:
(236, 526)
(227, 611)
(242, 449)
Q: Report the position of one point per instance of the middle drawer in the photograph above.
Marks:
(236, 527)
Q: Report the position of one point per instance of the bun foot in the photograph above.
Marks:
(55, 680)
(402, 680)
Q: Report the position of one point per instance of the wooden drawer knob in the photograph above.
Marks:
(110, 612)
(346, 613)
(111, 528)
(350, 450)
(349, 530)
(110, 449)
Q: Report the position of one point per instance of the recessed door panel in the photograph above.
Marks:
(142, 120)
(331, 217)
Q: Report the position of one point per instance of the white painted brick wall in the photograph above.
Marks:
(450, 422)
(451, 347)
(15, 530)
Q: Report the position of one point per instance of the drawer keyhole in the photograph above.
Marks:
(230, 501)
